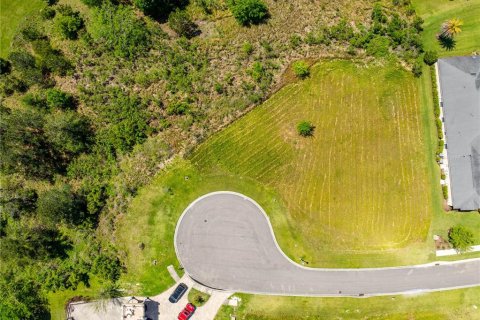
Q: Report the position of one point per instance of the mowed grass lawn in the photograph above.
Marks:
(435, 12)
(360, 184)
(456, 304)
(12, 13)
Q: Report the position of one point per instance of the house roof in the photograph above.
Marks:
(460, 94)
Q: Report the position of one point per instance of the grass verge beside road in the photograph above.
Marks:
(460, 304)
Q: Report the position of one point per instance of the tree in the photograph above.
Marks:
(24, 147)
(60, 204)
(57, 99)
(301, 69)
(68, 24)
(5, 66)
(93, 3)
(430, 57)
(461, 238)
(68, 132)
(159, 9)
(118, 28)
(182, 24)
(248, 12)
(305, 129)
(107, 267)
(451, 27)
(417, 69)
(21, 297)
(16, 200)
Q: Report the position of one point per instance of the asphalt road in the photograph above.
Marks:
(225, 241)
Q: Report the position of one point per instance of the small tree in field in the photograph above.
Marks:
(301, 69)
(461, 238)
(248, 12)
(305, 129)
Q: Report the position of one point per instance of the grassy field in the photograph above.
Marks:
(435, 12)
(360, 183)
(11, 14)
(456, 304)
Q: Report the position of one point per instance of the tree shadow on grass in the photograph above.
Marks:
(447, 43)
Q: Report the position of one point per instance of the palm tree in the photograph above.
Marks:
(451, 27)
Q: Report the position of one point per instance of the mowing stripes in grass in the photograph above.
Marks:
(360, 182)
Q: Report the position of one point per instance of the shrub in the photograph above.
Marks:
(68, 132)
(93, 3)
(248, 12)
(430, 57)
(418, 23)
(461, 238)
(178, 108)
(49, 58)
(301, 69)
(47, 13)
(417, 69)
(58, 99)
(69, 24)
(182, 24)
(50, 2)
(158, 8)
(257, 71)
(60, 204)
(378, 46)
(445, 192)
(377, 14)
(295, 40)
(120, 30)
(247, 48)
(305, 129)
(5, 66)
(107, 267)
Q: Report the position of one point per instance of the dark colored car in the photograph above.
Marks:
(178, 293)
(187, 312)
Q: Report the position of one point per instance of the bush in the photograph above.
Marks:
(93, 3)
(60, 204)
(301, 69)
(178, 108)
(110, 21)
(295, 40)
(107, 267)
(182, 24)
(57, 99)
(305, 129)
(377, 14)
(69, 24)
(378, 46)
(445, 192)
(68, 132)
(461, 238)
(158, 8)
(417, 69)
(50, 59)
(430, 57)
(5, 66)
(248, 12)
(247, 48)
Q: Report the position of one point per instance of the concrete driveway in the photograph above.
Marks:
(158, 307)
(225, 241)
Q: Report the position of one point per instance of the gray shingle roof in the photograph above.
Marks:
(460, 91)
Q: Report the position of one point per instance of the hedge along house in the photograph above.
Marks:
(459, 80)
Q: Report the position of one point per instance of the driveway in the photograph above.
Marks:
(224, 240)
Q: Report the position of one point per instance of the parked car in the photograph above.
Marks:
(187, 312)
(178, 293)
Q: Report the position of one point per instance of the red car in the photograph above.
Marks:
(187, 312)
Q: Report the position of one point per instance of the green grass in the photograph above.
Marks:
(12, 13)
(360, 185)
(435, 12)
(455, 304)
(198, 298)
(57, 300)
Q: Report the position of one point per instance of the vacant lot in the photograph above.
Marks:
(360, 183)
(435, 12)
